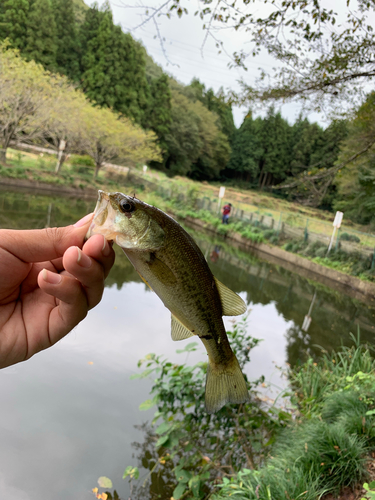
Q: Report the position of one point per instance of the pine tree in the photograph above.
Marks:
(67, 54)
(113, 65)
(307, 140)
(96, 33)
(130, 75)
(13, 22)
(247, 151)
(160, 114)
(41, 43)
(275, 160)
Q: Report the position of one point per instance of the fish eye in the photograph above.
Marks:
(126, 206)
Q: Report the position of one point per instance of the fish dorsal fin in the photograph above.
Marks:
(179, 331)
(231, 303)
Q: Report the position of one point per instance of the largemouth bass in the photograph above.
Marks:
(171, 264)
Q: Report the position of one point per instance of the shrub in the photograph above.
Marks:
(84, 161)
(350, 237)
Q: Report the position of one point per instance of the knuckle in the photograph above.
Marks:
(55, 236)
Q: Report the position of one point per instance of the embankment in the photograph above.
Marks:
(350, 285)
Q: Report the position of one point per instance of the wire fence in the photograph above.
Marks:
(295, 227)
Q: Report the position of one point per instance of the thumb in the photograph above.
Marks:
(39, 245)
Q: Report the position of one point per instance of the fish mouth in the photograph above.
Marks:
(104, 215)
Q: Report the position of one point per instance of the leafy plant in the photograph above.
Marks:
(370, 488)
(199, 447)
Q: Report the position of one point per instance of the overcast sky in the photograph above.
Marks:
(185, 57)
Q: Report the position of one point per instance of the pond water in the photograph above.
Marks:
(68, 414)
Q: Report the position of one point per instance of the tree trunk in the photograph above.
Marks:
(60, 160)
(61, 156)
(264, 180)
(97, 168)
(3, 156)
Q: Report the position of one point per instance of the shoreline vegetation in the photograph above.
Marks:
(352, 272)
(314, 440)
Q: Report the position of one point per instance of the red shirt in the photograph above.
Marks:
(226, 210)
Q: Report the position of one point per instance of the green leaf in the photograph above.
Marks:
(131, 471)
(183, 476)
(189, 348)
(104, 482)
(141, 375)
(179, 491)
(194, 485)
(205, 475)
(162, 440)
(164, 427)
(370, 412)
(149, 403)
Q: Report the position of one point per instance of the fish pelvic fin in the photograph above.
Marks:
(225, 384)
(179, 331)
(231, 303)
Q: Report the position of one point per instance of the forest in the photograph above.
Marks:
(183, 130)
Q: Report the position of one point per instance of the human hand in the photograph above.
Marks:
(49, 280)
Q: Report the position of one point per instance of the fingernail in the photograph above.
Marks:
(52, 278)
(82, 259)
(84, 220)
(106, 250)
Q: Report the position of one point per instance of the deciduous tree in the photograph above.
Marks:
(196, 146)
(27, 94)
(107, 137)
(321, 50)
(66, 121)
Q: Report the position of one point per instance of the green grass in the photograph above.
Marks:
(354, 264)
(327, 445)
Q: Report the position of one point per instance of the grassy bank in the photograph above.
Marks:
(314, 440)
(77, 172)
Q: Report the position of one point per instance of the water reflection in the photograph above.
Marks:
(65, 422)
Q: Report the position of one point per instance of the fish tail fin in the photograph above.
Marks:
(225, 384)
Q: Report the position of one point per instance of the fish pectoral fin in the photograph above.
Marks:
(179, 331)
(231, 303)
(161, 271)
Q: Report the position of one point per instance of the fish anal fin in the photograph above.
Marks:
(231, 303)
(225, 384)
(179, 331)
